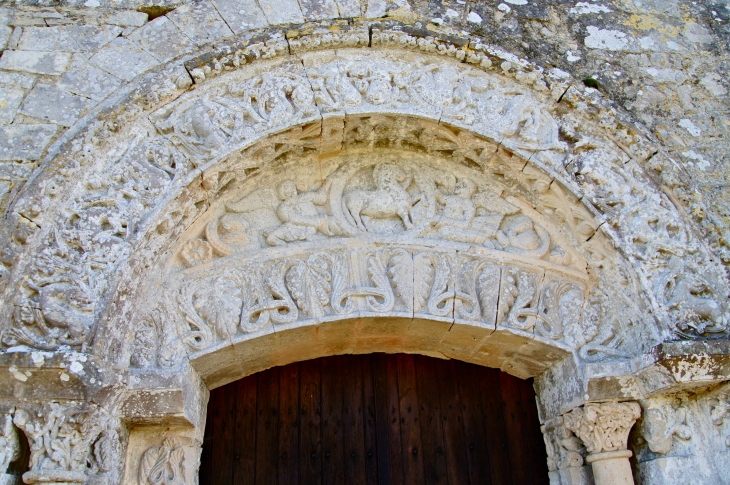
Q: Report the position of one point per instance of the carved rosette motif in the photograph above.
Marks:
(603, 427)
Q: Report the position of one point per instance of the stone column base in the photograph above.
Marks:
(611, 467)
(575, 475)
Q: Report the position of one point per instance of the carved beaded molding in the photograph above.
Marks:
(409, 179)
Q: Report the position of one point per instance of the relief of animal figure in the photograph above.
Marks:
(388, 200)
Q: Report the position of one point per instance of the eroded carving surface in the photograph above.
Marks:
(9, 443)
(167, 464)
(603, 427)
(661, 423)
(69, 442)
(97, 228)
(564, 449)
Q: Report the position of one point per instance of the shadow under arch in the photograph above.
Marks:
(515, 354)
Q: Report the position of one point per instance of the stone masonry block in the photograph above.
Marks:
(39, 62)
(89, 81)
(10, 99)
(73, 38)
(54, 104)
(125, 18)
(124, 59)
(319, 9)
(282, 11)
(200, 21)
(241, 15)
(162, 39)
(348, 8)
(5, 33)
(16, 80)
(25, 142)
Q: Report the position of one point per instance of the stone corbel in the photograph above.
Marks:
(604, 430)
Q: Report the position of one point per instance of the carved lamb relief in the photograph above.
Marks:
(397, 197)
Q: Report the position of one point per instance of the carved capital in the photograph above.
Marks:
(68, 442)
(564, 449)
(9, 442)
(603, 427)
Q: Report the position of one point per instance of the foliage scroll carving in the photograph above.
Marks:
(210, 140)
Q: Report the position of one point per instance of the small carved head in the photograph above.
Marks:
(287, 190)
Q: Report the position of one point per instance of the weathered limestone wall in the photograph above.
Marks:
(628, 104)
(663, 61)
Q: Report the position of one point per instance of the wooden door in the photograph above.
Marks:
(374, 419)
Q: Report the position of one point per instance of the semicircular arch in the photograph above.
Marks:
(157, 175)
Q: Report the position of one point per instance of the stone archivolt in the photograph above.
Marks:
(409, 181)
(190, 152)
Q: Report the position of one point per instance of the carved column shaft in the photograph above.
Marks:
(604, 429)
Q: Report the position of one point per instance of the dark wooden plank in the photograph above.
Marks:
(409, 418)
(475, 437)
(499, 464)
(289, 424)
(333, 471)
(432, 435)
(457, 464)
(267, 427)
(244, 445)
(310, 414)
(223, 434)
(353, 430)
(370, 428)
(469, 424)
(533, 438)
(206, 455)
(390, 469)
(518, 455)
